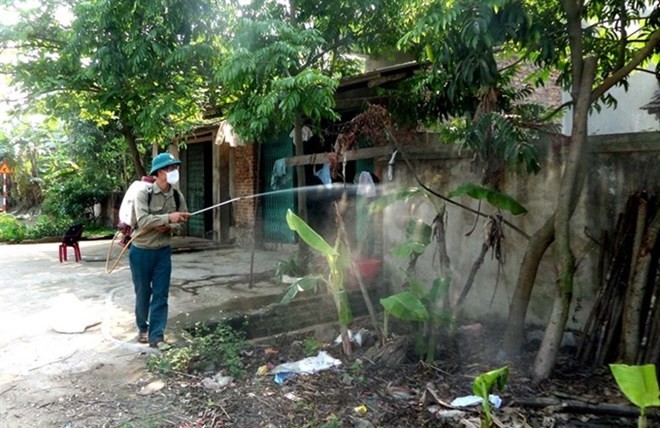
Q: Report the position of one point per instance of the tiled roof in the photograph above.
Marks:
(653, 107)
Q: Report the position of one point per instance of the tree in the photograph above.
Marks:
(139, 67)
(285, 61)
(471, 48)
(593, 48)
(593, 71)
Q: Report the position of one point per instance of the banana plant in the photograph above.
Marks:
(640, 385)
(338, 263)
(419, 305)
(482, 387)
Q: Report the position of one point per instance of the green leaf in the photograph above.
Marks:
(418, 231)
(383, 202)
(497, 199)
(408, 249)
(439, 289)
(306, 283)
(638, 383)
(405, 306)
(484, 383)
(416, 287)
(308, 235)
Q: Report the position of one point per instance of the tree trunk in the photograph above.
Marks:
(300, 170)
(135, 154)
(632, 311)
(436, 306)
(569, 192)
(536, 247)
(470, 280)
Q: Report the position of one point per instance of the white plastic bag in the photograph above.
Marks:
(308, 365)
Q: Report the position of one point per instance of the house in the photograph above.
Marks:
(216, 168)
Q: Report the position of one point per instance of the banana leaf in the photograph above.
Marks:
(309, 235)
(405, 306)
(497, 199)
(638, 383)
(306, 283)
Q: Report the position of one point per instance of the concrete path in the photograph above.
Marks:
(37, 294)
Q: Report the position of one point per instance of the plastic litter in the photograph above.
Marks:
(151, 388)
(366, 186)
(291, 396)
(216, 382)
(357, 338)
(473, 400)
(360, 410)
(308, 365)
(280, 378)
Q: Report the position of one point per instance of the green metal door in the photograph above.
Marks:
(199, 175)
(274, 207)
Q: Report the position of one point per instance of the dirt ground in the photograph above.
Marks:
(99, 378)
(92, 379)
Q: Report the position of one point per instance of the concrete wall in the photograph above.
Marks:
(617, 166)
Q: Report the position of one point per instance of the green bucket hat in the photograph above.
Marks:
(163, 160)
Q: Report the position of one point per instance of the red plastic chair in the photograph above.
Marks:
(70, 239)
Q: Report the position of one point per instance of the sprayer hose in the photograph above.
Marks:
(121, 253)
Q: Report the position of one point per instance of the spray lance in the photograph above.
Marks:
(129, 208)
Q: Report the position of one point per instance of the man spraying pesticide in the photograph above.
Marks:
(158, 211)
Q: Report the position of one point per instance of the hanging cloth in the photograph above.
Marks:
(306, 133)
(324, 174)
(280, 177)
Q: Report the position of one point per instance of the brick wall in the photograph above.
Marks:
(244, 184)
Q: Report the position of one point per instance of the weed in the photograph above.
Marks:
(149, 421)
(289, 267)
(207, 348)
(331, 422)
(310, 346)
(354, 373)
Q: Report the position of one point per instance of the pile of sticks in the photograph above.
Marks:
(624, 324)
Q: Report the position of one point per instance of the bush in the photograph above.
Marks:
(11, 230)
(74, 197)
(46, 226)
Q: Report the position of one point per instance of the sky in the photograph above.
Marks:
(10, 16)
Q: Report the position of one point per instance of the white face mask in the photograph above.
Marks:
(173, 177)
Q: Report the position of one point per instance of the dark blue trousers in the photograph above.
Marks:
(151, 271)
